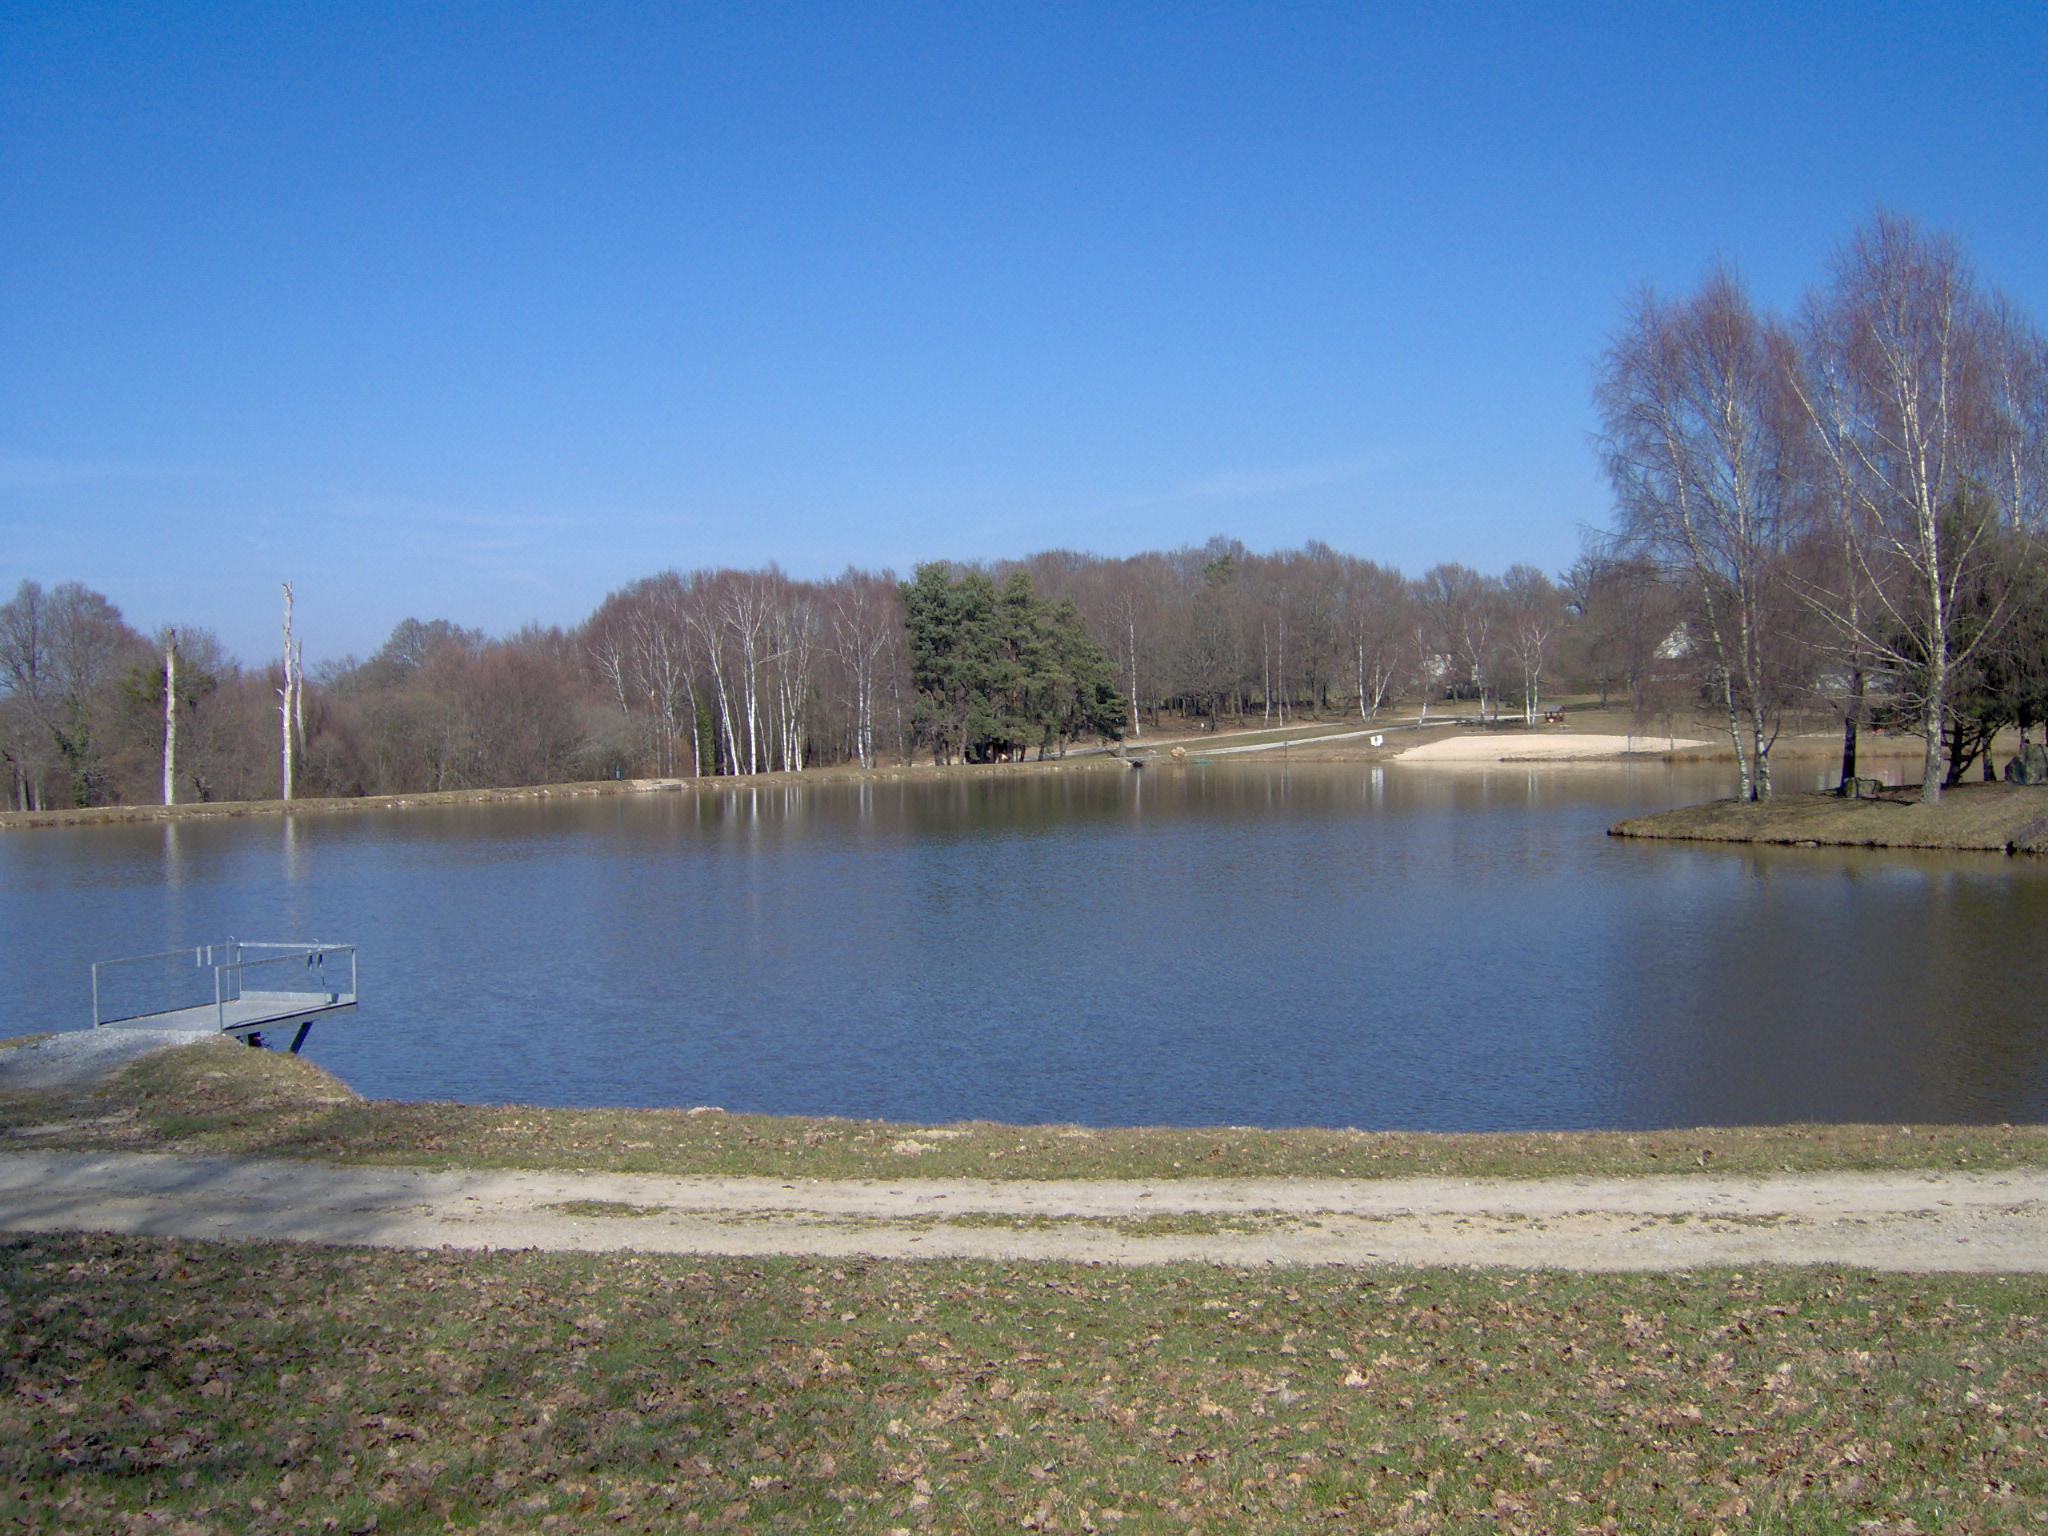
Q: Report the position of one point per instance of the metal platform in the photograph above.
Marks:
(237, 989)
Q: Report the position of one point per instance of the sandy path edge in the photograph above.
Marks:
(1914, 1221)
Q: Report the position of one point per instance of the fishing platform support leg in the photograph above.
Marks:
(300, 1038)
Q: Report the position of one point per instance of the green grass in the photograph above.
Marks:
(185, 1387)
(157, 1385)
(224, 1099)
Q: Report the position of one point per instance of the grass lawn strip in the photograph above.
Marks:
(222, 1099)
(158, 1385)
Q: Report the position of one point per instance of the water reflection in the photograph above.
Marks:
(1250, 943)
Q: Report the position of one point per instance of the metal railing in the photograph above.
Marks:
(293, 978)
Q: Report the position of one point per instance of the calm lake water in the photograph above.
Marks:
(1455, 950)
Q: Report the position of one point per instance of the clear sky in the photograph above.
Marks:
(479, 311)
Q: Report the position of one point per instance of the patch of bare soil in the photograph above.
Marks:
(1895, 1221)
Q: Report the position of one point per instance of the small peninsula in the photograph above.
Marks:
(1991, 818)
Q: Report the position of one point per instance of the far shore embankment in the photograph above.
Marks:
(595, 789)
(1983, 818)
(214, 810)
(1593, 737)
(1092, 759)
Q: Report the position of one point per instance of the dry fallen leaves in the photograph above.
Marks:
(186, 1382)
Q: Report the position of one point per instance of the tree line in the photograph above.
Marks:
(733, 672)
(1834, 512)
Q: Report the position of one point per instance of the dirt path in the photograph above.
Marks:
(1897, 1221)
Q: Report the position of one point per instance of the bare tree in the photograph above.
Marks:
(794, 633)
(2017, 374)
(219, 715)
(867, 619)
(1455, 602)
(25, 678)
(1534, 611)
(1375, 605)
(1919, 393)
(1131, 618)
(1692, 406)
(62, 656)
(639, 643)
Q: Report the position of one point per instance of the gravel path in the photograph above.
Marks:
(1895, 1221)
(78, 1058)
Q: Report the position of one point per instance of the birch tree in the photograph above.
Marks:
(867, 621)
(1452, 600)
(1376, 611)
(1533, 611)
(794, 633)
(1919, 392)
(1129, 630)
(2017, 376)
(1690, 399)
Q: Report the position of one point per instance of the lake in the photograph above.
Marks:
(1243, 944)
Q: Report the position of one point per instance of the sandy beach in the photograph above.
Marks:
(1541, 747)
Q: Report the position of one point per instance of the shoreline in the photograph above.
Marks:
(591, 789)
(1445, 746)
(210, 1140)
(209, 1097)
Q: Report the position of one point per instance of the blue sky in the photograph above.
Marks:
(479, 311)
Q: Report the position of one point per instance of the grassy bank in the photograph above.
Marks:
(187, 1387)
(1991, 818)
(225, 1099)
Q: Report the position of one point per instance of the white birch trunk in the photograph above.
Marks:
(287, 701)
(1131, 635)
(171, 719)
